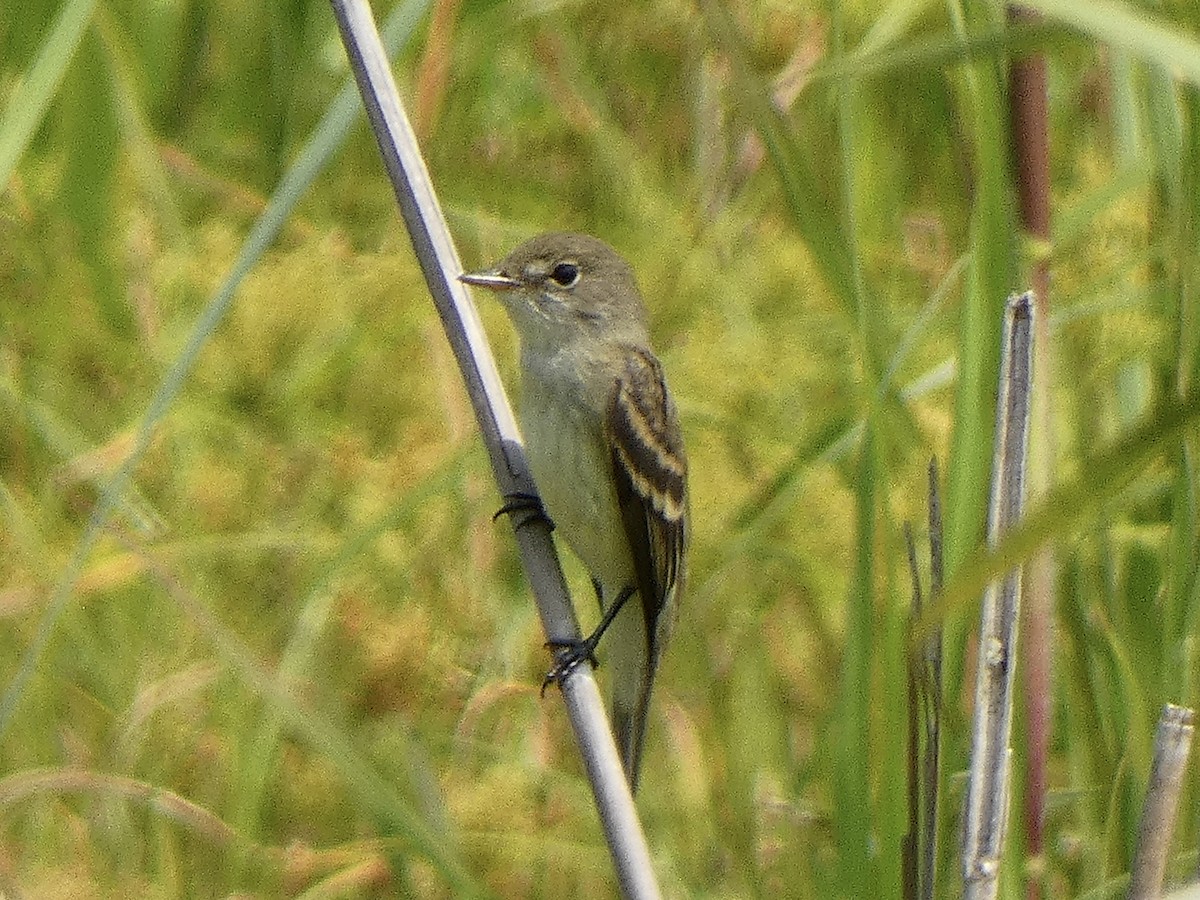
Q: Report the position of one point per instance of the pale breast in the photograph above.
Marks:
(572, 467)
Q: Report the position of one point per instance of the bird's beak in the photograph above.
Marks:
(493, 279)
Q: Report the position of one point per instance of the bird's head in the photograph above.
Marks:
(560, 286)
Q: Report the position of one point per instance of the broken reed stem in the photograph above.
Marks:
(910, 846)
(932, 715)
(1172, 742)
(988, 781)
(919, 845)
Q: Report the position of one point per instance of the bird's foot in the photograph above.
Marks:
(569, 653)
(568, 656)
(528, 505)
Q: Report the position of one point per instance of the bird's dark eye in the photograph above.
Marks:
(565, 274)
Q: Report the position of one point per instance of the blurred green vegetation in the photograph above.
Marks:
(292, 655)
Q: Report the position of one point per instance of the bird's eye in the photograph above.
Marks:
(565, 274)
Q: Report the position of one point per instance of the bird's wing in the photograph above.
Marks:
(650, 474)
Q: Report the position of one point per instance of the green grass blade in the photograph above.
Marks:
(327, 139)
(991, 279)
(817, 220)
(935, 52)
(1062, 511)
(312, 617)
(30, 100)
(66, 442)
(376, 793)
(1125, 28)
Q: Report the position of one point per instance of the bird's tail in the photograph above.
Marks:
(632, 672)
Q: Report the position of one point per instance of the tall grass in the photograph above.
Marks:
(259, 634)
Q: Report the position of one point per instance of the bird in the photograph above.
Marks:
(606, 450)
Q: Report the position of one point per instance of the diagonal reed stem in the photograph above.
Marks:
(440, 265)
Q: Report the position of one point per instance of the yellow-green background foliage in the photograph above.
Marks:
(293, 655)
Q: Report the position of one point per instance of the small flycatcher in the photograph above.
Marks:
(605, 447)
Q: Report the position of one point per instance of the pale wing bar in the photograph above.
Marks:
(650, 472)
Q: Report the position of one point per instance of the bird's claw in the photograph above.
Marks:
(569, 655)
(529, 504)
(570, 652)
